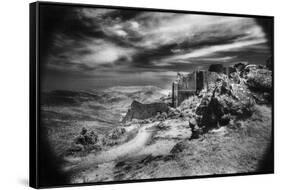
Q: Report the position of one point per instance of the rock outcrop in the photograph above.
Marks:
(223, 102)
(260, 80)
(145, 111)
(240, 66)
(84, 142)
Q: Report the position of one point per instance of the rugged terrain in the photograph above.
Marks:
(125, 133)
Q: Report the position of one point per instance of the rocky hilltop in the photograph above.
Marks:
(226, 98)
(225, 127)
(145, 111)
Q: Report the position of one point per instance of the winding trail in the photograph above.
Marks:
(124, 150)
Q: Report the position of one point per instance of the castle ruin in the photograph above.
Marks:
(189, 84)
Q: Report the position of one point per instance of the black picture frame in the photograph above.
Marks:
(39, 164)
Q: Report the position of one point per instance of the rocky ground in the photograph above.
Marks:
(226, 128)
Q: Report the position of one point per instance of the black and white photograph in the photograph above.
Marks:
(132, 94)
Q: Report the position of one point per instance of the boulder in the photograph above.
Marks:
(260, 80)
(86, 138)
(226, 99)
(212, 114)
(145, 111)
(85, 142)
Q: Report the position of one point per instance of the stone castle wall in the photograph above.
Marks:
(189, 84)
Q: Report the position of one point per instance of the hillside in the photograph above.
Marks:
(66, 112)
(126, 133)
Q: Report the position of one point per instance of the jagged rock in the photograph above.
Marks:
(203, 105)
(226, 88)
(236, 77)
(213, 113)
(214, 79)
(86, 138)
(144, 111)
(260, 80)
(256, 77)
(215, 110)
(80, 140)
(85, 142)
(239, 66)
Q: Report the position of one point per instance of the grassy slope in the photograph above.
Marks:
(237, 148)
(65, 113)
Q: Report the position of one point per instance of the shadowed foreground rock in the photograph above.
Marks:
(227, 101)
(144, 111)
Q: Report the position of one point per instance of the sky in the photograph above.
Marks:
(95, 48)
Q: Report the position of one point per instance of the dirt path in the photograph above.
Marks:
(124, 150)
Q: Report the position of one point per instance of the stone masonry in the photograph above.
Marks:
(188, 84)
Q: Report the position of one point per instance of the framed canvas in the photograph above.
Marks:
(121, 94)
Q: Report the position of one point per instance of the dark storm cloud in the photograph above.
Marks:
(109, 42)
(60, 19)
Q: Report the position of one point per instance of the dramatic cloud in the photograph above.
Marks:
(122, 45)
(215, 49)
